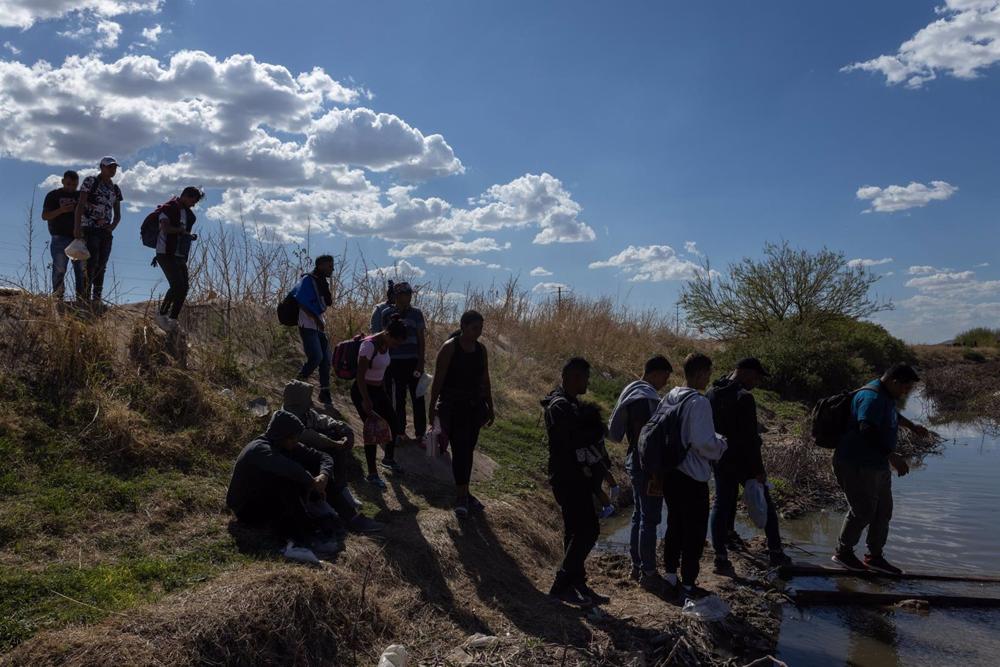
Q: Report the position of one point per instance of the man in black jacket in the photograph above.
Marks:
(272, 482)
(735, 414)
(575, 471)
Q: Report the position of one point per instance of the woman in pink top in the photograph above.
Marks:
(369, 395)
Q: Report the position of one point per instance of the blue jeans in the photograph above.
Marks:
(60, 262)
(647, 513)
(317, 348)
(727, 492)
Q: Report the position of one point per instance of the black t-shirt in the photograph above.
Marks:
(63, 224)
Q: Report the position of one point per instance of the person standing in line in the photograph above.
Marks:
(735, 412)
(462, 397)
(685, 487)
(98, 214)
(408, 361)
(634, 408)
(314, 297)
(379, 311)
(173, 245)
(861, 464)
(58, 210)
(369, 397)
(574, 471)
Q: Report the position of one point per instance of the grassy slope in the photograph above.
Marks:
(112, 497)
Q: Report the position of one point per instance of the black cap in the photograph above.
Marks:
(752, 364)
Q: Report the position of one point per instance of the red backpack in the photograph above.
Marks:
(345, 357)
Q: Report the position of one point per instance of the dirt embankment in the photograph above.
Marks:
(963, 383)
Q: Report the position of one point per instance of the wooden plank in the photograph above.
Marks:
(811, 570)
(848, 598)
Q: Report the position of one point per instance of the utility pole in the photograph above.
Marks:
(559, 297)
(677, 318)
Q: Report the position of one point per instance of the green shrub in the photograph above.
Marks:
(979, 337)
(807, 362)
(972, 355)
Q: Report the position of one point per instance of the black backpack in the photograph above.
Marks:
(831, 417)
(288, 310)
(661, 446)
(149, 232)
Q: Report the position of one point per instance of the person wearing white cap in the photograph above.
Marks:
(98, 213)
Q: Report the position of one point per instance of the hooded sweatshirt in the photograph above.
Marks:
(735, 413)
(640, 390)
(573, 458)
(319, 431)
(697, 433)
(264, 463)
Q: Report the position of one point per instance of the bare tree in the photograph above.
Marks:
(785, 285)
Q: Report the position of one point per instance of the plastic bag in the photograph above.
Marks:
(711, 608)
(435, 440)
(424, 384)
(377, 431)
(394, 656)
(77, 250)
(753, 498)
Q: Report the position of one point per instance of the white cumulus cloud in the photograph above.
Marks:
(13, 49)
(401, 270)
(963, 42)
(152, 33)
(550, 288)
(99, 33)
(893, 198)
(921, 270)
(540, 272)
(654, 263)
(25, 13)
(449, 248)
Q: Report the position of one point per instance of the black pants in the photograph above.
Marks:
(404, 382)
(383, 408)
(580, 532)
(99, 244)
(175, 269)
(281, 506)
(687, 524)
(461, 421)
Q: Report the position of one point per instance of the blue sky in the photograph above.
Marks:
(597, 141)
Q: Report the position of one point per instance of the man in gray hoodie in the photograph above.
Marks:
(335, 439)
(685, 488)
(635, 406)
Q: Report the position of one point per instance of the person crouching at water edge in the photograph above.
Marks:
(370, 398)
(574, 471)
(634, 408)
(861, 464)
(462, 399)
(685, 487)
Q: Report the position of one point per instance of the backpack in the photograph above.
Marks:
(288, 310)
(661, 446)
(149, 232)
(831, 417)
(345, 357)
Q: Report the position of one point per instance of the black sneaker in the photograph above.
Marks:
(588, 592)
(724, 567)
(880, 564)
(324, 397)
(735, 542)
(476, 505)
(848, 560)
(392, 467)
(571, 596)
(462, 508)
(779, 559)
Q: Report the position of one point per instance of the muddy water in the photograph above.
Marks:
(946, 520)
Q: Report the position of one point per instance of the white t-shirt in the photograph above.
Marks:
(379, 361)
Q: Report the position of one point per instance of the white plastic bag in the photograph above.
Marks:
(432, 439)
(711, 608)
(394, 656)
(77, 250)
(753, 498)
(424, 384)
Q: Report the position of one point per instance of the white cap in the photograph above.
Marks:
(107, 161)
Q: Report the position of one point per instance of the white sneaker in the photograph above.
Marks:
(299, 554)
(349, 497)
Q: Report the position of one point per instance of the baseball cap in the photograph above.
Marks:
(752, 364)
(107, 161)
